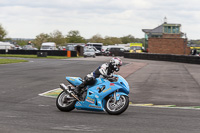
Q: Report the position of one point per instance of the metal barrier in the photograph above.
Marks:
(35, 52)
(41, 54)
(164, 57)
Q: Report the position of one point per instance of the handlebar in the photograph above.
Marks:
(112, 79)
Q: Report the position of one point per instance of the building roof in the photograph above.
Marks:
(158, 29)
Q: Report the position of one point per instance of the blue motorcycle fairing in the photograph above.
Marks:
(95, 99)
(123, 82)
(75, 81)
(83, 105)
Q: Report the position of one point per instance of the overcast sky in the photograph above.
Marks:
(116, 18)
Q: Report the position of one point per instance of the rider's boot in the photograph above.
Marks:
(79, 87)
(77, 90)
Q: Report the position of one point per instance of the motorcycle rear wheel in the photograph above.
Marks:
(65, 102)
(117, 108)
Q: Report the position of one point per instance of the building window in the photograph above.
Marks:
(146, 36)
(171, 29)
(178, 29)
(175, 29)
(165, 30)
(168, 29)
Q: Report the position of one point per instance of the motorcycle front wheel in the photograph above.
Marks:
(65, 102)
(117, 108)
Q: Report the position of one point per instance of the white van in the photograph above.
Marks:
(92, 47)
(6, 45)
(48, 46)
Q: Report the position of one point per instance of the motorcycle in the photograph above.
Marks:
(107, 94)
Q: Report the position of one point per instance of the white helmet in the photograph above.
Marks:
(115, 63)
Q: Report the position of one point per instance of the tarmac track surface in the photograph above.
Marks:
(22, 110)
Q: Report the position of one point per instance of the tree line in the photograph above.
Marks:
(73, 36)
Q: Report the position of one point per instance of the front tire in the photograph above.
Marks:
(117, 108)
(65, 102)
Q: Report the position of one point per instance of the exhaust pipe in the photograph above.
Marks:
(67, 91)
(64, 88)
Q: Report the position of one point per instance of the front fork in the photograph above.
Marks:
(116, 95)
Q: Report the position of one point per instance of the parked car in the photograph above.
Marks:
(17, 47)
(89, 53)
(114, 52)
(29, 47)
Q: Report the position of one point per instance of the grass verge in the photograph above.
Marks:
(35, 56)
(8, 61)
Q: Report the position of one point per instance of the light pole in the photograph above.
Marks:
(185, 43)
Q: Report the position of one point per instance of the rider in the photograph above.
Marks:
(106, 70)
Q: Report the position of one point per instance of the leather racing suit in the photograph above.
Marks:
(103, 71)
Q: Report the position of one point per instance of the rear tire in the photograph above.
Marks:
(117, 108)
(63, 104)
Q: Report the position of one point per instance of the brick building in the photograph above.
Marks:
(166, 39)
